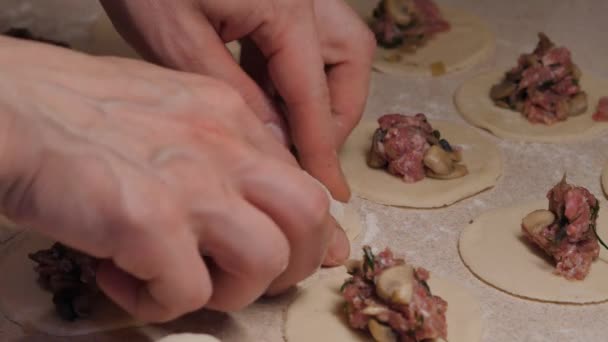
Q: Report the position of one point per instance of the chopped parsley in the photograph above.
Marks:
(594, 214)
(346, 283)
(369, 257)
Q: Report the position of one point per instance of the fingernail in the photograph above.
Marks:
(339, 249)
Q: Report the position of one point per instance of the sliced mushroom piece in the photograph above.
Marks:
(456, 155)
(502, 90)
(458, 172)
(502, 104)
(438, 160)
(381, 332)
(537, 220)
(578, 104)
(401, 11)
(396, 284)
(375, 158)
(374, 310)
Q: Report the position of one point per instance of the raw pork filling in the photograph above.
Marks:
(544, 86)
(70, 276)
(571, 239)
(422, 319)
(409, 147)
(407, 23)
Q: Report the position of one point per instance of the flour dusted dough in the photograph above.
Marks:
(25, 303)
(473, 101)
(317, 313)
(605, 179)
(495, 250)
(107, 42)
(468, 43)
(481, 156)
(188, 338)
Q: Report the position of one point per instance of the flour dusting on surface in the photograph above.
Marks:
(371, 224)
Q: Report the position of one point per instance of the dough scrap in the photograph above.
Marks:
(317, 313)
(23, 302)
(481, 156)
(468, 43)
(106, 41)
(605, 179)
(494, 249)
(186, 337)
(473, 102)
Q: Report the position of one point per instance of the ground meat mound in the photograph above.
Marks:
(400, 145)
(544, 86)
(424, 318)
(571, 239)
(70, 276)
(407, 24)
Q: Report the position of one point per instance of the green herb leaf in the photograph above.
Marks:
(346, 283)
(426, 287)
(369, 257)
(594, 214)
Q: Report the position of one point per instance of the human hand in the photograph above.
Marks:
(149, 169)
(317, 54)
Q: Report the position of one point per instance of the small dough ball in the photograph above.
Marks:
(186, 337)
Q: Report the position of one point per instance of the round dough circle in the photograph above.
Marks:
(481, 156)
(468, 43)
(23, 302)
(605, 179)
(186, 337)
(494, 249)
(317, 313)
(474, 104)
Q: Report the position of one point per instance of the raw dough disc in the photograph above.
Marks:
(481, 156)
(468, 43)
(473, 101)
(23, 301)
(317, 313)
(188, 338)
(495, 250)
(605, 179)
(8, 229)
(106, 41)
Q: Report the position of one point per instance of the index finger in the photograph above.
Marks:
(296, 68)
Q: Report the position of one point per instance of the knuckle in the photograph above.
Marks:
(271, 262)
(318, 201)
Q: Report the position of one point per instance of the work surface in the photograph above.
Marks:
(429, 237)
